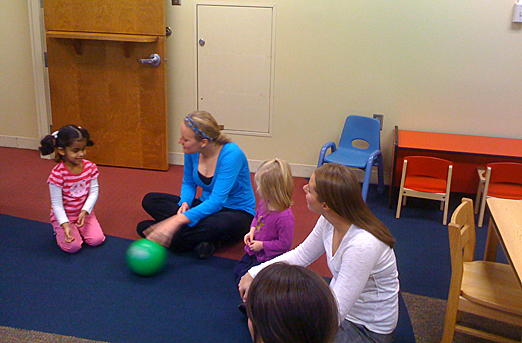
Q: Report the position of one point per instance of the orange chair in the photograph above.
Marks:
(483, 288)
(428, 178)
(503, 180)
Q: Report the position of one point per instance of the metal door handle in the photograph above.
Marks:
(154, 60)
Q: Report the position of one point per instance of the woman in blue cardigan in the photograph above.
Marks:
(224, 211)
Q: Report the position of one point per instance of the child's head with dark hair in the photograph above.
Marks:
(289, 303)
(64, 138)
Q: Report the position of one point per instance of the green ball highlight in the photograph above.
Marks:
(146, 257)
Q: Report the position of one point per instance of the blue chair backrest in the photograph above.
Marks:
(361, 128)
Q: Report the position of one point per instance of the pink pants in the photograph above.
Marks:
(90, 233)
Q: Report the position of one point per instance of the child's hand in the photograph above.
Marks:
(248, 238)
(67, 233)
(256, 246)
(81, 218)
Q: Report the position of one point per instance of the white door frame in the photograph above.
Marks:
(41, 82)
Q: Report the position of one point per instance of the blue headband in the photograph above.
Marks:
(192, 124)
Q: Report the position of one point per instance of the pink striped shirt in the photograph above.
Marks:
(75, 187)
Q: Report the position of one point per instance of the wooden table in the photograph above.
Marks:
(505, 225)
(465, 151)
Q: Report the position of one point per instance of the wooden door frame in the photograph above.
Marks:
(41, 81)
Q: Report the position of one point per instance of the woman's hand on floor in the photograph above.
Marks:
(244, 285)
(163, 231)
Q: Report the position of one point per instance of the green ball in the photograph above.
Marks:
(146, 257)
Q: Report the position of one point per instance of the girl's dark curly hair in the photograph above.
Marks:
(63, 138)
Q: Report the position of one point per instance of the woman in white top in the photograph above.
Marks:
(359, 252)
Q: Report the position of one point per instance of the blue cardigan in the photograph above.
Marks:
(231, 186)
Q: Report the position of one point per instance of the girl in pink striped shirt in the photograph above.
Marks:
(73, 184)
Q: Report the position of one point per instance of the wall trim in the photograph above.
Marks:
(41, 86)
(19, 142)
(176, 158)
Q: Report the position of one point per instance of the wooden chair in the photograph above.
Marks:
(502, 180)
(481, 171)
(483, 288)
(426, 177)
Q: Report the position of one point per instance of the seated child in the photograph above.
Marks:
(272, 229)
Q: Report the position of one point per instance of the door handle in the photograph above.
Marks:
(154, 60)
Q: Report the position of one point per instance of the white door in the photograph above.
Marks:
(235, 65)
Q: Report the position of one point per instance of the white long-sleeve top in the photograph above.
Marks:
(57, 200)
(365, 277)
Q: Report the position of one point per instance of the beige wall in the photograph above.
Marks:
(17, 95)
(445, 66)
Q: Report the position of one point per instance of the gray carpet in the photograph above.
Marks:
(427, 319)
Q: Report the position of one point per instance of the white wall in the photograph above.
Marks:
(445, 66)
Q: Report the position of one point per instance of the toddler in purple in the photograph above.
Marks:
(272, 229)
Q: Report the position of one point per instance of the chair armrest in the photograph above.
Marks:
(324, 149)
(373, 157)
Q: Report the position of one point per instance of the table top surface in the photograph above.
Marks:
(508, 219)
(467, 144)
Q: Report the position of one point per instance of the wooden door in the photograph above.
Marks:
(96, 80)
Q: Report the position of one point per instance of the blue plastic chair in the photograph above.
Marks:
(358, 128)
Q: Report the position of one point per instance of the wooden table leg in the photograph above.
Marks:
(491, 242)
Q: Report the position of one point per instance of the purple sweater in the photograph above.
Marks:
(275, 230)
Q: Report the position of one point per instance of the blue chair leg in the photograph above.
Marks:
(366, 182)
(380, 171)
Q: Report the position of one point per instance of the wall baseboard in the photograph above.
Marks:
(176, 158)
(19, 142)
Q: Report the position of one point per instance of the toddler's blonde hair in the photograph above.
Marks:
(275, 184)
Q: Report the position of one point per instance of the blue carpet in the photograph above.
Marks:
(92, 294)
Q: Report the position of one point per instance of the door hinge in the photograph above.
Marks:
(45, 59)
(41, 3)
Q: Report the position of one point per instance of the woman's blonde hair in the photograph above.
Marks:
(338, 187)
(205, 126)
(275, 183)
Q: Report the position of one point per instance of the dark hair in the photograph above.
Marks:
(289, 303)
(63, 138)
(338, 187)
